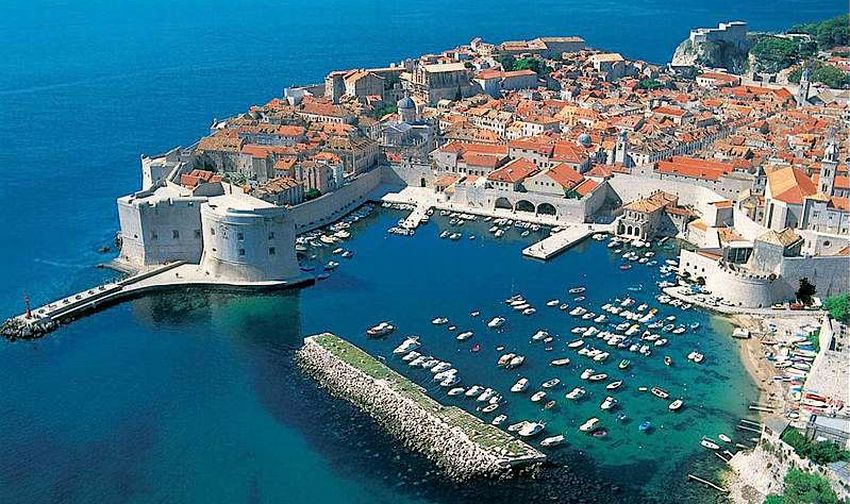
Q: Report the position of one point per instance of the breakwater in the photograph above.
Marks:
(461, 444)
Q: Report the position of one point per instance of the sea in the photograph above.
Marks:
(193, 396)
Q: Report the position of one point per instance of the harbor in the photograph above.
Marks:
(556, 243)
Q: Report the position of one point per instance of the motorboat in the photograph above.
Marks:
(407, 345)
(551, 383)
(608, 403)
(531, 429)
(380, 330)
(560, 362)
(552, 441)
(577, 290)
(490, 408)
(553, 302)
(520, 385)
(575, 343)
(474, 391)
(496, 322)
(529, 311)
(486, 395)
(474, 313)
(668, 361)
(516, 362)
(538, 396)
(709, 443)
(499, 419)
(456, 391)
(464, 335)
(624, 364)
(590, 425)
(450, 381)
(576, 393)
(724, 438)
(540, 335)
(614, 385)
(505, 359)
(675, 405)
(517, 426)
(440, 321)
(645, 426)
(598, 377)
(587, 373)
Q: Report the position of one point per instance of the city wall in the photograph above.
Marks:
(331, 206)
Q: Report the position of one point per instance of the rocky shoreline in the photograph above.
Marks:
(457, 442)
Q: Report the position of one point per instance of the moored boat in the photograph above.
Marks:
(552, 441)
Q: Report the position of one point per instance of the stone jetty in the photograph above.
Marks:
(458, 442)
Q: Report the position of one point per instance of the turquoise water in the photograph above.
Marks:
(191, 396)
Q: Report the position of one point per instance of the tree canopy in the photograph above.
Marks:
(821, 452)
(806, 291)
(826, 74)
(827, 34)
(774, 53)
(839, 307)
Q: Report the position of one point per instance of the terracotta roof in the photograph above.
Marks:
(513, 172)
(790, 185)
(783, 238)
(585, 187)
(564, 175)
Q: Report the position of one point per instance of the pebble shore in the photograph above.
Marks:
(459, 443)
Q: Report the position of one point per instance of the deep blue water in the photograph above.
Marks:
(191, 397)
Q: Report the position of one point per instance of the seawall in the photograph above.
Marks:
(459, 443)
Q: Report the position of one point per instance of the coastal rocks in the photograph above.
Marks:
(710, 54)
(440, 433)
(14, 329)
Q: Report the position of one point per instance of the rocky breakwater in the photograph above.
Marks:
(456, 441)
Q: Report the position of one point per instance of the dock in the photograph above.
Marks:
(558, 242)
(707, 483)
(415, 218)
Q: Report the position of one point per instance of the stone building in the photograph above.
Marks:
(449, 81)
(648, 217)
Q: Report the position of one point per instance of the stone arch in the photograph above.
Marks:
(524, 206)
(629, 230)
(546, 209)
(505, 203)
(621, 229)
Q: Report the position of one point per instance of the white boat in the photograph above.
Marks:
(659, 392)
(440, 321)
(608, 403)
(598, 377)
(538, 396)
(576, 393)
(551, 383)
(552, 441)
(708, 443)
(496, 322)
(520, 385)
(505, 359)
(486, 395)
(499, 419)
(441, 367)
(456, 391)
(575, 343)
(614, 385)
(450, 381)
(589, 425)
(380, 330)
(407, 345)
(675, 405)
(529, 311)
(464, 335)
(724, 438)
(531, 429)
(474, 391)
(490, 408)
(516, 361)
(540, 335)
(587, 373)
(553, 302)
(560, 362)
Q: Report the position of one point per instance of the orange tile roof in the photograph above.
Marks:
(515, 171)
(790, 185)
(564, 175)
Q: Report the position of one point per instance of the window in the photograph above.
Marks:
(271, 235)
(241, 252)
(212, 231)
(240, 236)
(271, 251)
(175, 234)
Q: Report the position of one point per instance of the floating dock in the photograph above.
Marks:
(558, 242)
(457, 441)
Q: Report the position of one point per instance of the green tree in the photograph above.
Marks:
(806, 291)
(821, 452)
(507, 61)
(650, 84)
(805, 488)
(828, 33)
(774, 499)
(312, 194)
(839, 307)
(386, 108)
(826, 74)
(774, 53)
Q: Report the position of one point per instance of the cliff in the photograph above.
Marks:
(713, 54)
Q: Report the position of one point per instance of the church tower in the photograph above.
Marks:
(828, 165)
(803, 90)
(622, 150)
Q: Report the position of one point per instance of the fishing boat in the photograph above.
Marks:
(464, 335)
(520, 385)
(499, 419)
(614, 385)
(589, 425)
(538, 396)
(531, 429)
(608, 403)
(440, 321)
(645, 426)
(724, 438)
(659, 392)
(624, 364)
(675, 405)
(552, 441)
(576, 393)
(380, 330)
(551, 383)
(709, 443)
(560, 362)
(456, 391)
(496, 322)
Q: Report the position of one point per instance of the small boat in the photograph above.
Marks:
(614, 385)
(474, 391)
(675, 405)
(520, 385)
(645, 426)
(553, 302)
(549, 405)
(517, 426)
(708, 443)
(407, 345)
(560, 362)
(452, 327)
(598, 377)
(659, 392)
(474, 313)
(499, 419)
(440, 321)
(724, 438)
(600, 433)
(576, 393)
(624, 364)
(529, 311)
(577, 290)
(515, 362)
(538, 396)
(540, 335)
(552, 441)
(587, 373)
(380, 330)
(476, 347)
(456, 391)
(464, 335)
(496, 322)
(331, 265)
(668, 361)
(551, 383)
(589, 425)
(575, 343)
(490, 408)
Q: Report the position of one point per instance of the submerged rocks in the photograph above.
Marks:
(442, 434)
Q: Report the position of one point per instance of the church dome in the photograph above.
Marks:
(406, 103)
(585, 140)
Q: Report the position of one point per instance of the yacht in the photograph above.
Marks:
(490, 408)
(456, 391)
(589, 425)
(576, 393)
(587, 373)
(496, 322)
(380, 330)
(499, 419)
(407, 345)
(474, 391)
(540, 335)
(531, 429)
(464, 335)
(608, 403)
